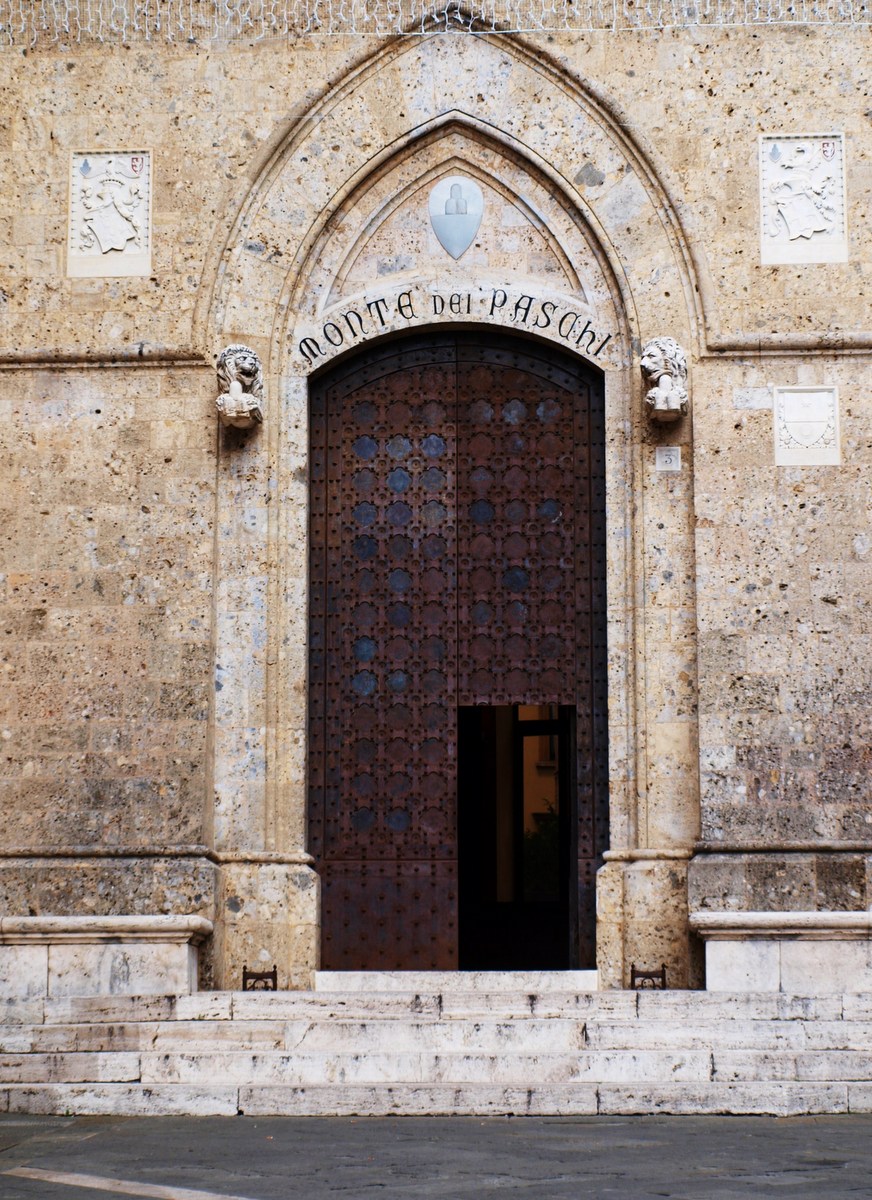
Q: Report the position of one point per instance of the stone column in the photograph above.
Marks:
(267, 905)
(642, 912)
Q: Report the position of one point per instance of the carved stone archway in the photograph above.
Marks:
(332, 248)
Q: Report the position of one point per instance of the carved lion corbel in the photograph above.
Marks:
(240, 387)
(664, 365)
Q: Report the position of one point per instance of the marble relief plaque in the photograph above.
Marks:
(802, 198)
(807, 426)
(109, 231)
(456, 205)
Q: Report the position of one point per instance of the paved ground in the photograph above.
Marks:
(443, 1158)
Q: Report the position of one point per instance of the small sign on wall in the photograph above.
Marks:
(802, 198)
(807, 427)
(109, 232)
(667, 458)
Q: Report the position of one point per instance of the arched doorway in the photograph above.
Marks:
(458, 779)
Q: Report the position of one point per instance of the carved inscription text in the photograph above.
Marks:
(372, 316)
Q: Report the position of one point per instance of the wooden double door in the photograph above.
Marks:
(458, 765)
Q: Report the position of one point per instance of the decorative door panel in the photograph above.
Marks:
(520, 529)
(453, 501)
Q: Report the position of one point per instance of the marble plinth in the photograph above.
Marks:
(811, 953)
(53, 957)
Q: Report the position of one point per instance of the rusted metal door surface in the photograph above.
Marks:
(457, 558)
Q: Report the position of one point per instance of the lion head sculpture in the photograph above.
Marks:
(240, 387)
(664, 365)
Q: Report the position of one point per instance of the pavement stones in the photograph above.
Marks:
(278, 1158)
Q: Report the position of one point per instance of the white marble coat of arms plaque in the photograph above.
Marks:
(109, 233)
(807, 427)
(802, 198)
(456, 207)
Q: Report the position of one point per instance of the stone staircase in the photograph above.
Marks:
(373, 1045)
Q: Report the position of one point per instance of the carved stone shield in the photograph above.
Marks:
(456, 206)
(807, 417)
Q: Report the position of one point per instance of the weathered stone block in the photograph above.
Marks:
(79, 956)
(782, 1099)
(748, 1065)
(23, 974)
(801, 953)
(746, 966)
(124, 1099)
(69, 1068)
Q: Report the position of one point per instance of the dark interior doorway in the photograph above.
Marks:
(516, 851)
(457, 584)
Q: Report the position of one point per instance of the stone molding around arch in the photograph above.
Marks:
(534, 265)
(333, 248)
(546, 119)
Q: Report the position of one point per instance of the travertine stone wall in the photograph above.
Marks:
(154, 571)
(784, 618)
(107, 639)
(784, 592)
(692, 101)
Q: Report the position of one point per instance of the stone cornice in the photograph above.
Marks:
(808, 926)
(52, 930)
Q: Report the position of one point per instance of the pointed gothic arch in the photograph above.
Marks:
(306, 262)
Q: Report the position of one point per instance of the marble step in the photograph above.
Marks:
(523, 1036)
(487, 1036)
(121, 1099)
(466, 1052)
(615, 1007)
(438, 982)
(243, 1006)
(528, 1036)
(310, 1067)
(304, 1067)
(778, 1098)
(516, 1037)
(301, 1068)
(100, 1067)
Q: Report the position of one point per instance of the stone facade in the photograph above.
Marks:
(154, 584)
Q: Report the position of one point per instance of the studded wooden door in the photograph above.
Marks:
(457, 558)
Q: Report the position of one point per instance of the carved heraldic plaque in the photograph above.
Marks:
(456, 206)
(109, 230)
(807, 427)
(802, 199)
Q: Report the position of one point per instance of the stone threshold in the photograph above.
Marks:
(440, 982)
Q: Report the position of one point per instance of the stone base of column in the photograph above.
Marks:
(57, 957)
(266, 913)
(642, 919)
(92, 881)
